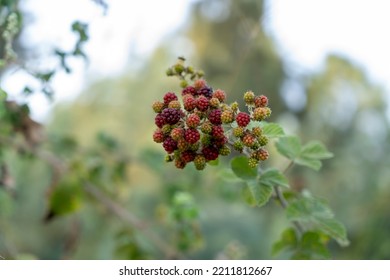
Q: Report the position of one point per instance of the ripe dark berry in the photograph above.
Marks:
(210, 153)
(168, 97)
(188, 156)
(217, 132)
(170, 145)
(188, 90)
(159, 120)
(189, 103)
(191, 136)
(202, 103)
(220, 95)
(206, 91)
(261, 101)
(193, 121)
(171, 116)
(158, 136)
(243, 119)
(215, 117)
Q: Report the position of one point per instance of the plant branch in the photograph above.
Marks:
(131, 220)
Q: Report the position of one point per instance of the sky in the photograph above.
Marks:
(305, 32)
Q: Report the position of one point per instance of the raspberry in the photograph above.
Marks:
(224, 151)
(189, 103)
(206, 127)
(256, 131)
(168, 97)
(261, 101)
(202, 103)
(249, 97)
(175, 104)
(193, 120)
(206, 91)
(260, 113)
(158, 136)
(238, 146)
(248, 140)
(215, 117)
(200, 162)
(158, 106)
(177, 133)
(199, 83)
(263, 140)
(252, 162)
(188, 90)
(191, 136)
(159, 120)
(210, 153)
(238, 131)
(227, 116)
(179, 163)
(170, 145)
(182, 145)
(242, 119)
(188, 156)
(218, 132)
(214, 102)
(220, 95)
(171, 116)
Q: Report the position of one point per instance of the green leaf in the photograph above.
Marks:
(289, 146)
(66, 198)
(317, 214)
(272, 130)
(241, 168)
(228, 175)
(288, 241)
(311, 163)
(213, 162)
(315, 150)
(312, 244)
(259, 193)
(273, 177)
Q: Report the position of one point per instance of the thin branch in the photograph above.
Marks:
(131, 220)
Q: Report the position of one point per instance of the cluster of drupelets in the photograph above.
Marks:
(203, 126)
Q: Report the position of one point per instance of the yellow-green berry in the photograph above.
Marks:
(252, 162)
(249, 97)
(263, 140)
(238, 131)
(227, 116)
(175, 104)
(238, 146)
(224, 151)
(200, 162)
(256, 131)
(158, 106)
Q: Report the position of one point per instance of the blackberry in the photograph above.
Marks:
(214, 102)
(179, 163)
(248, 140)
(243, 119)
(188, 90)
(224, 150)
(159, 120)
(175, 104)
(158, 106)
(193, 120)
(191, 136)
(238, 146)
(198, 84)
(177, 133)
(263, 154)
(200, 162)
(168, 97)
(210, 153)
(217, 132)
(158, 136)
(202, 103)
(170, 145)
(220, 95)
(227, 116)
(205, 91)
(263, 140)
(249, 97)
(206, 127)
(256, 131)
(182, 145)
(188, 156)
(238, 131)
(189, 103)
(215, 117)
(171, 116)
(261, 101)
(252, 162)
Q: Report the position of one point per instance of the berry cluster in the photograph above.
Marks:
(203, 126)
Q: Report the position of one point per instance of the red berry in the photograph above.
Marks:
(168, 97)
(218, 132)
(220, 94)
(158, 136)
(248, 140)
(179, 163)
(206, 91)
(215, 117)
(193, 120)
(210, 153)
(177, 133)
(261, 101)
(243, 119)
(170, 145)
(202, 103)
(192, 136)
(189, 102)
(171, 116)
(188, 156)
(159, 120)
(188, 90)
(199, 83)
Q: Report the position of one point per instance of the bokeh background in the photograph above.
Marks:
(323, 64)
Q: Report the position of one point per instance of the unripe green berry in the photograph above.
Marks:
(261, 113)
(263, 140)
(166, 129)
(158, 106)
(238, 132)
(168, 158)
(206, 127)
(206, 139)
(256, 131)
(252, 162)
(194, 147)
(179, 68)
(227, 116)
(190, 70)
(249, 97)
(182, 145)
(224, 151)
(200, 162)
(238, 146)
(169, 72)
(175, 104)
(234, 106)
(214, 102)
(183, 83)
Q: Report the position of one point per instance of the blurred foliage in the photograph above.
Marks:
(104, 138)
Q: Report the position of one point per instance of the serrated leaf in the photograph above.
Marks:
(315, 150)
(260, 193)
(288, 241)
(272, 130)
(311, 244)
(241, 168)
(289, 146)
(318, 215)
(273, 177)
(311, 163)
(228, 175)
(248, 196)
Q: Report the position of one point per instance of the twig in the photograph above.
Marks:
(131, 220)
